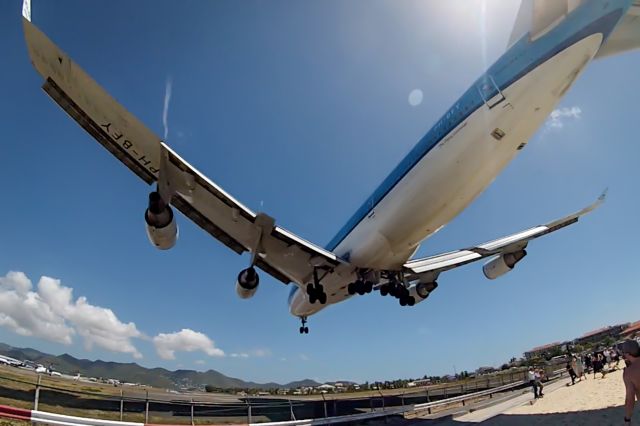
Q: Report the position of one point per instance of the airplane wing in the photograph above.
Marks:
(429, 268)
(275, 250)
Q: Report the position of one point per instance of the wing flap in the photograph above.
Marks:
(115, 128)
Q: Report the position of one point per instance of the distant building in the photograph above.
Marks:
(601, 334)
(631, 332)
(421, 382)
(544, 350)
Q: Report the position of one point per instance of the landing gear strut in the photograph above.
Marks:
(315, 291)
(303, 328)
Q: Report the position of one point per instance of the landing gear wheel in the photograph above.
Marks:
(302, 330)
(360, 287)
(384, 290)
(309, 289)
(403, 301)
(322, 298)
(351, 289)
(313, 297)
(411, 301)
(368, 286)
(306, 330)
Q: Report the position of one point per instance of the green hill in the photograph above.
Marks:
(134, 373)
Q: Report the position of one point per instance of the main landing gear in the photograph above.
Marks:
(361, 285)
(315, 291)
(396, 289)
(303, 328)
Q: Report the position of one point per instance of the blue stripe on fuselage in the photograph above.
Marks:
(519, 60)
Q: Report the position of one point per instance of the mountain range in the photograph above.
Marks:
(134, 373)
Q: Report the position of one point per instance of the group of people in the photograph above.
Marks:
(600, 361)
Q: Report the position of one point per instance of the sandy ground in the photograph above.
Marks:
(589, 402)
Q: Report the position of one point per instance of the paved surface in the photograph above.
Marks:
(485, 409)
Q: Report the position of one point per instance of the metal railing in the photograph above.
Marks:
(142, 406)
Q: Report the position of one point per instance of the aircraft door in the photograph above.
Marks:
(490, 92)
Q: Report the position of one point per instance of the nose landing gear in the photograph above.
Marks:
(303, 328)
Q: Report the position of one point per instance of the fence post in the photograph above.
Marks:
(293, 416)
(192, 422)
(248, 411)
(381, 397)
(146, 408)
(37, 396)
(324, 404)
(402, 398)
(428, 398)
(121, 403)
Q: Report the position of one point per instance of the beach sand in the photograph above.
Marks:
(589, 402)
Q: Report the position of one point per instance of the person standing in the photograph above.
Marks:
(579, 368)
(539, 375)
(571, 371)
(531, 375)
(631, 376)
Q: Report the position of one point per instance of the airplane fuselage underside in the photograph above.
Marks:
(463, 163)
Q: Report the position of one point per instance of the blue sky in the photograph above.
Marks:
(300, 109)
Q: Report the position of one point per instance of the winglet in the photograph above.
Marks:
(26, 9)
(603, 197)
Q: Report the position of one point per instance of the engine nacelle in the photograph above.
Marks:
(247, 283)
(502, 264)
(421, 291)
(160, 223)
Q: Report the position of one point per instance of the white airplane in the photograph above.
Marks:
(551, 44)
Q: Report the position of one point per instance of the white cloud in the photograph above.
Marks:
(165, 109)
(185, 340)
(256, 353)
(239, 355)
(261, 353)
(200, 362)
(304, 357)
(558, 116)
(52, 314)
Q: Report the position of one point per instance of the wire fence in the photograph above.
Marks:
(135, 405)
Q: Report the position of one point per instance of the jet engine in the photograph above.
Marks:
(502, 264)
(418, 292)
(162, 229)
(247, 283)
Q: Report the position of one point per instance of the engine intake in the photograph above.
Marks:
(247, 283)
(502, 264)
(160, 223)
